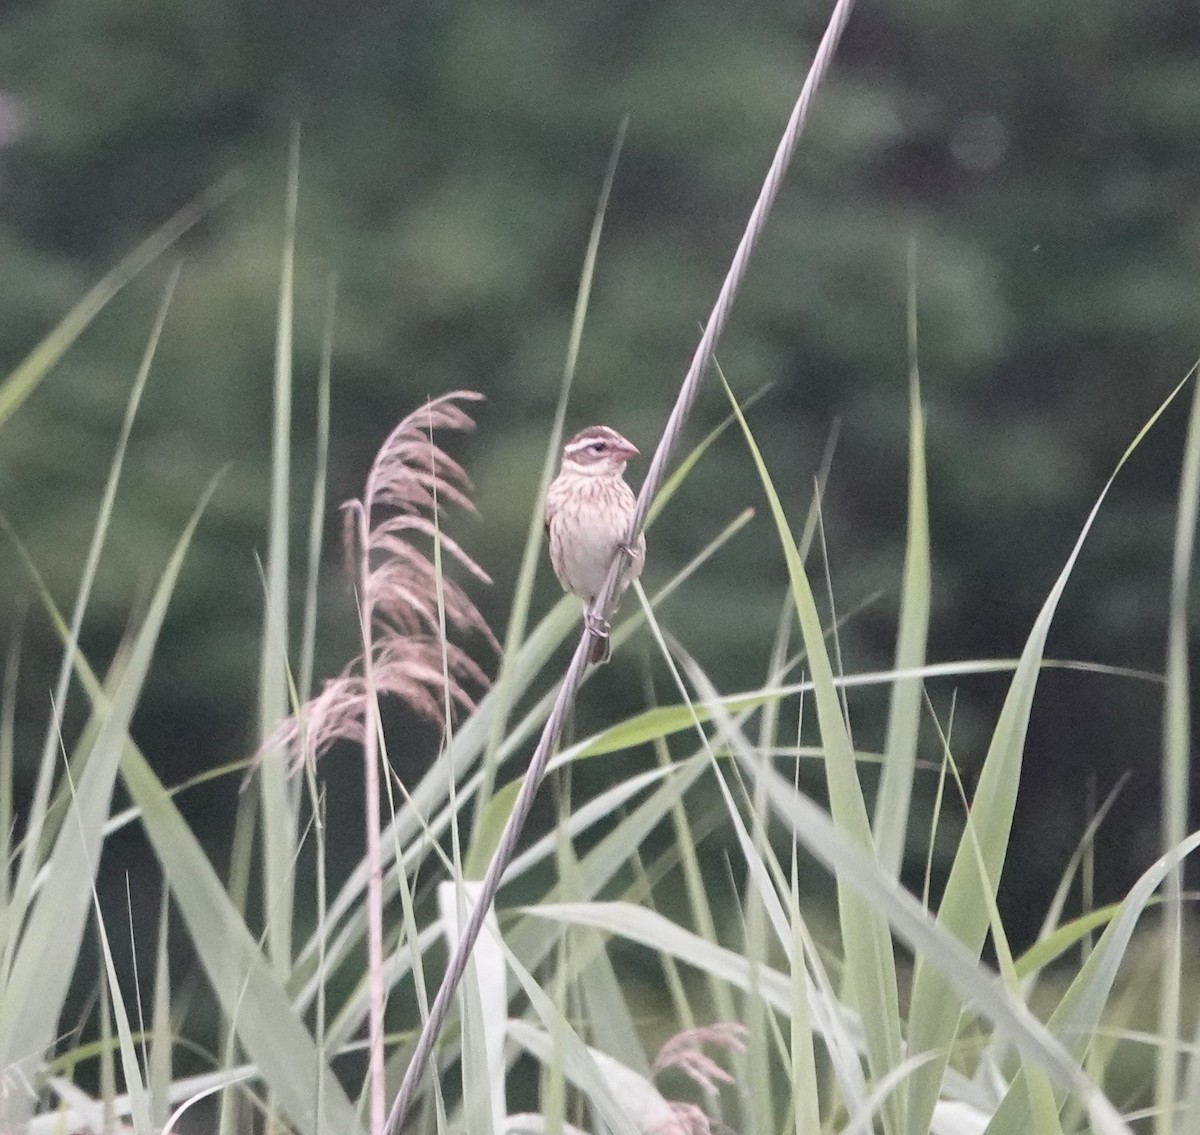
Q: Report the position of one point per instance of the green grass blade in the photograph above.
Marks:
(278, 797)
(964, 911)
(904, 711)
(514, 634)
(602, 1000)
(24, 380)
(46, 958)
(246, 986)
(1176, 761)
(37, 822)
(316, 523)
(870, 963)
(1051, 947)
(589, 1070)
(972, 982)
(1079, 1012)
(802, 1071)
(248, 990)
(8, 713)
(162, 1037)
(483, 1002)
(135, 1088)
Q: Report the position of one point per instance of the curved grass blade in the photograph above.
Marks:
(40, 814)
(514, 634)
(1077, 1015)
(964, 910)
(912, 633)
(22, 382)
(45, 960)
(1176, 775)
(870, 963)
(250, 993)
(279, 799)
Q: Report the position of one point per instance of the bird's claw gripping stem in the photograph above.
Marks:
(599, 626)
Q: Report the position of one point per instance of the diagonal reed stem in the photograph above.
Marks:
(505, 849)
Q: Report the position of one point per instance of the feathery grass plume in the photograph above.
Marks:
(409, 482)
(685, 1051)
(654, 1114)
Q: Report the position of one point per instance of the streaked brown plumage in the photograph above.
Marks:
(588, 510)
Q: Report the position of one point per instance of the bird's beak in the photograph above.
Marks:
(627, 449)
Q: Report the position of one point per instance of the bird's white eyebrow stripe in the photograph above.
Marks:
(578, 444)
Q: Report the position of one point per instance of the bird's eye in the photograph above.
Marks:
(598, 446)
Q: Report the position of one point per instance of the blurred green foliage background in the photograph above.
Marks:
(1041, 153)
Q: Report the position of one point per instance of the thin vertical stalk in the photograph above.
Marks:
(603, 603)
(1175, 773)
(375, 983)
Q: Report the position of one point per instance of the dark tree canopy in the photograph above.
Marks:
(1042, 156)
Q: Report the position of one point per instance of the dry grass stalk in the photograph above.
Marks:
(405, 605)
(410, 482)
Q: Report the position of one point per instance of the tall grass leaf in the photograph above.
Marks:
(1176, 775)
(316, 515)
(1054, 910)
(1189, 1108)
(1052, 946)
(107, 1050)
(24, 380)
(912, 631)
(532, 939)
(33, 996)
(241, 867)
(1077, 1016)
(870, 964)
(279, 798)
(594, 1073)
(139, 1100)
(249, 992)
(658, 933)
(8, 713)
(158, 1071)
(514, 634)
(972, 982)
(601, 998)
(483, 998)
(246, 986)
(760, 869)
(687, 841)
(964, 911)
(802, 1080)
(38, 824)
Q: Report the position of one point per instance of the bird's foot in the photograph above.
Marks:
(601, 628)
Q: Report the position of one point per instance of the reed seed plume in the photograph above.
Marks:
(677, 1119)
(685, 1051)
(401, 590)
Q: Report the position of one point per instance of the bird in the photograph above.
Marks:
(589, 508)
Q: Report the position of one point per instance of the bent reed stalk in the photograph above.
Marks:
(552, 730)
